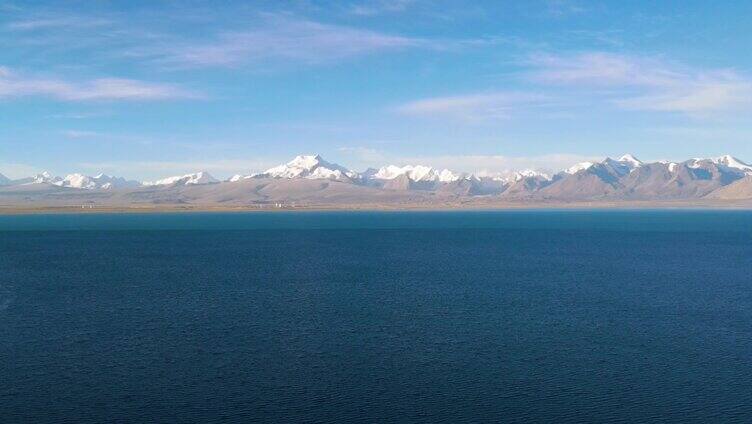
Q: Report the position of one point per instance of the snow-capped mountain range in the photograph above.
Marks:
(624, 163)
(99, 181)
(624, 178)
(419, 173)
(315, 167)
(78, 181)
(188, 179)
(308, 166)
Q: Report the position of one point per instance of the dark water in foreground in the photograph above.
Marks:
(377, 317)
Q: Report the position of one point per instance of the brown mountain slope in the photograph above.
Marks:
(677, 181)
(738, 190)
(597, 182)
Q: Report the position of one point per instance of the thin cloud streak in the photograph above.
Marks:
(12, 85)
(80, 134)
(474, 107)
(278, 40)
(18, 170)
(55, 23)
(711, 93)
(263, 38)
(601, 69)
(364, 154)
(87, 135)
(374, 8)
(640, 83)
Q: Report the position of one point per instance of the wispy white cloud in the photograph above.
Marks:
(626, 82)
(612, 37)
(278, 39)
(79, 115)
(7, 6)
(56, 22)
(13, 85)
(251, 38)
(108, 137)
(601, 69)
(563, 8)
(258, 40)
(78, 134)
(14, 170)
(709, 93)
(646, 83)
(474, 107)
(379, 7)
(367, 155)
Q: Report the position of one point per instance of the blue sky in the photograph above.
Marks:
(150, 89)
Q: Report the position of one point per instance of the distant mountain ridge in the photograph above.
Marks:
(99, 181)
(77, 181)
(201, 177)
(312, 180)
(311, 167)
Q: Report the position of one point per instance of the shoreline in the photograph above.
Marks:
(467, 206)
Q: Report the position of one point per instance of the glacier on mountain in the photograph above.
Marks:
(197, 178)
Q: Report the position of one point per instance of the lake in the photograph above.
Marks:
(512, 316)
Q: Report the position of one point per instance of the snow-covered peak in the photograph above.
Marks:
(727, 161)
(77, 181)
(391, 172)
(529, 173)
(202, 177)
(630, 160)
(579, 167)
(413, 172)
(623, 165)
(44, 177)
(4, 180)
(422, 173)
(237, 177)
(306, 162)
(419, 173)
(324, 173)
(733, 162)
(671, 165)
(695, 162)
(100, 181)
(309, 166)
(503, 177)
(447, 176)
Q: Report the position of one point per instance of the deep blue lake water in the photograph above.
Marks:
(522, 316)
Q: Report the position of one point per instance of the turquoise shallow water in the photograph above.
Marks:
(519, 316)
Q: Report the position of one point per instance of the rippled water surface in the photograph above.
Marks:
(560, 316)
